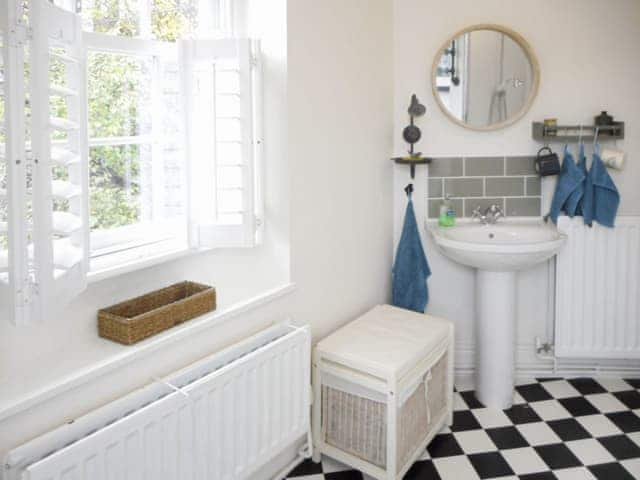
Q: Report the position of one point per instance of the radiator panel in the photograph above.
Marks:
(597, 290)
(233, 421)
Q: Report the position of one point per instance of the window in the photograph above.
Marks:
(144, 139)
(137, 174)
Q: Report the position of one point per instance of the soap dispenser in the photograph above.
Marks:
(447, 216)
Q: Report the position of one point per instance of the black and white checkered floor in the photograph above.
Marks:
(557, 429)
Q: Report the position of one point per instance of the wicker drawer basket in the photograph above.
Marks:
(141, 317)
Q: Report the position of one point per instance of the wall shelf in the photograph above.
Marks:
(571, 133)
(412, 162)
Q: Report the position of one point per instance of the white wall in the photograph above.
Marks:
(586, 50)
(329, 199)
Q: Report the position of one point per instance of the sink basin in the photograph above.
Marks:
(497, 252)
(508, 245)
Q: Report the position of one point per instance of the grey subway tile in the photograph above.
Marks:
(521, 166)
(464, 187)
(434, 207)
(470, 204)
(505, 186)
(523, 207)
(483, 166)
(533, 186)
(446, 167)
(436, 188)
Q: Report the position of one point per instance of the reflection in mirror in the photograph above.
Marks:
(485, 78)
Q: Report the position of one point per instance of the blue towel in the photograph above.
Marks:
(582, 165)
(411, 269)
(569, 181)
(601, 199)
(573, 206)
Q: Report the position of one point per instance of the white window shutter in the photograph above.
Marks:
(17, 287)
(219, 88)
(60, 157)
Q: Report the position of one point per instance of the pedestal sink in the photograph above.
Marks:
(497, 252)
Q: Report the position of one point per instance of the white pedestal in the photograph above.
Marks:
(495, 338)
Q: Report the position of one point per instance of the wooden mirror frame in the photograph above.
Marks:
(516, 37)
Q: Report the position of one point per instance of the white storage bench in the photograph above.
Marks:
(383, 387)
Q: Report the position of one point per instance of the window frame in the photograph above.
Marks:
(135, 236)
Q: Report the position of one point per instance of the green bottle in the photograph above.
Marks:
(447, 216)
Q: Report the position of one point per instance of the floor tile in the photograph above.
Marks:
(560, 389)
(344, 475)
(631, 398)
(557, 456)
(330, 465)
(586, 386)
(490, 465)
(524, 460)
(606, 402)
(632, 466)
(470, 399)
(455, 468)
(534, 392)
(610, 471)
(475, 441)
(539, 476)
(458, 402)
(491, 418)
(424, 470)
(635, 437)
(464, 421)
(628, 422)
(507, 437)
(621, 447)
(598, 425)
(590, 452)
(550, 410)
(444, 445)
(578, 406)
(519, 414)
(307, 467)
(539, 433)
(613, 384)
(568, 429)
(318, 476)
(634, 382)
(575, 473)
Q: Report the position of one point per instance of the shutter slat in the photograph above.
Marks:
(63, 124)
(65, 255)
(62, 91)
(65, 223)
(63, 157)
(65, 190)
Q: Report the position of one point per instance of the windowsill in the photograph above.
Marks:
(21, 401)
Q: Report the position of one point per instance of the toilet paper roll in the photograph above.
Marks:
(613, 158)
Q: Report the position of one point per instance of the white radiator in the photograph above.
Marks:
(222, 418)
(598, 290)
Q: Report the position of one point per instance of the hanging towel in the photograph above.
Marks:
(582, 165)
(410, 269)
(601, 199)
(569, 180)
(573, 205)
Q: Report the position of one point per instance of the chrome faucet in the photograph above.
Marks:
(489, 216)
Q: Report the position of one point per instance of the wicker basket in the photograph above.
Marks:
(141, 317)
(358, 425)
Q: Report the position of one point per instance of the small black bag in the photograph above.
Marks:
(547, 163)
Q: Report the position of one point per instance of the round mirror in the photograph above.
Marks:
(485, 77)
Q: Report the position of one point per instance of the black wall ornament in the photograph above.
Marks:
(412, 134)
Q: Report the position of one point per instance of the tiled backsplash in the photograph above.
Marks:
(510, 182)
